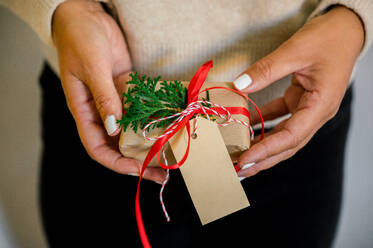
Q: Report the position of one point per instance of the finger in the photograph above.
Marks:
(116, 162)
(264, 165)
(120, 82)
(157, 175)
(270, 162)
(106, 97)
(78, 98)
(270, 111)
(275, 129)
(304, 122)
(99, 148)
(280, 63)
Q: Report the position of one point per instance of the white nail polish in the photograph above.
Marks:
(242, 81)
(111, 124)
(241, 178)
(133, 174)
(247, 166)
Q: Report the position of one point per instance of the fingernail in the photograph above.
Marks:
(240, 172)
(242, 81)
(111, 124)
(247, 166)
(241, 178)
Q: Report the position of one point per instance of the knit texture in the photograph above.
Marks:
(38, 14)
(363, 8)
(173, 38)
(170, 39)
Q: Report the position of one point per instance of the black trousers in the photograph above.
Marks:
(83, 204)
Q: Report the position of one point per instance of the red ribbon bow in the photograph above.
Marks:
(193, 92)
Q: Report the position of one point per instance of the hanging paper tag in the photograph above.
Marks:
(208, 172)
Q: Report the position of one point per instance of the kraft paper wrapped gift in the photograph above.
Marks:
(236, 136)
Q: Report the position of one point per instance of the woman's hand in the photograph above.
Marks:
(94, 63)
(320, 57)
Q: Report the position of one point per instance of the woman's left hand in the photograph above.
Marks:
(320, 57)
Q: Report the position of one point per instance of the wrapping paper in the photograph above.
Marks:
(236, 137)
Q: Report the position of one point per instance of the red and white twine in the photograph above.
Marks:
(163, 186)
(227, 117)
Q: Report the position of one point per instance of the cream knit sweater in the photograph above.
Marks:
(173, 38)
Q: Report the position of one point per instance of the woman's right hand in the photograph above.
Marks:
(92, 57)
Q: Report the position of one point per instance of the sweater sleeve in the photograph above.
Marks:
(363, 8)
(37, 13)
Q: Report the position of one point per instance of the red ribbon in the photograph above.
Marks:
(193, 92)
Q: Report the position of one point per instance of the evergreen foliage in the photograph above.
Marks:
(143, 102)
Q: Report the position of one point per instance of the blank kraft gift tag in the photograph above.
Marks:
(208, 172)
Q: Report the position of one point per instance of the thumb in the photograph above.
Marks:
(267, 70)
(107, 101)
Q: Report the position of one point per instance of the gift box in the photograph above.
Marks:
(197, 127)
(236, 137)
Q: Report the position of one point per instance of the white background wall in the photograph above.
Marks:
(20, 63)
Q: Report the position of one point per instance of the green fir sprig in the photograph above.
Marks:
(144, 102)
